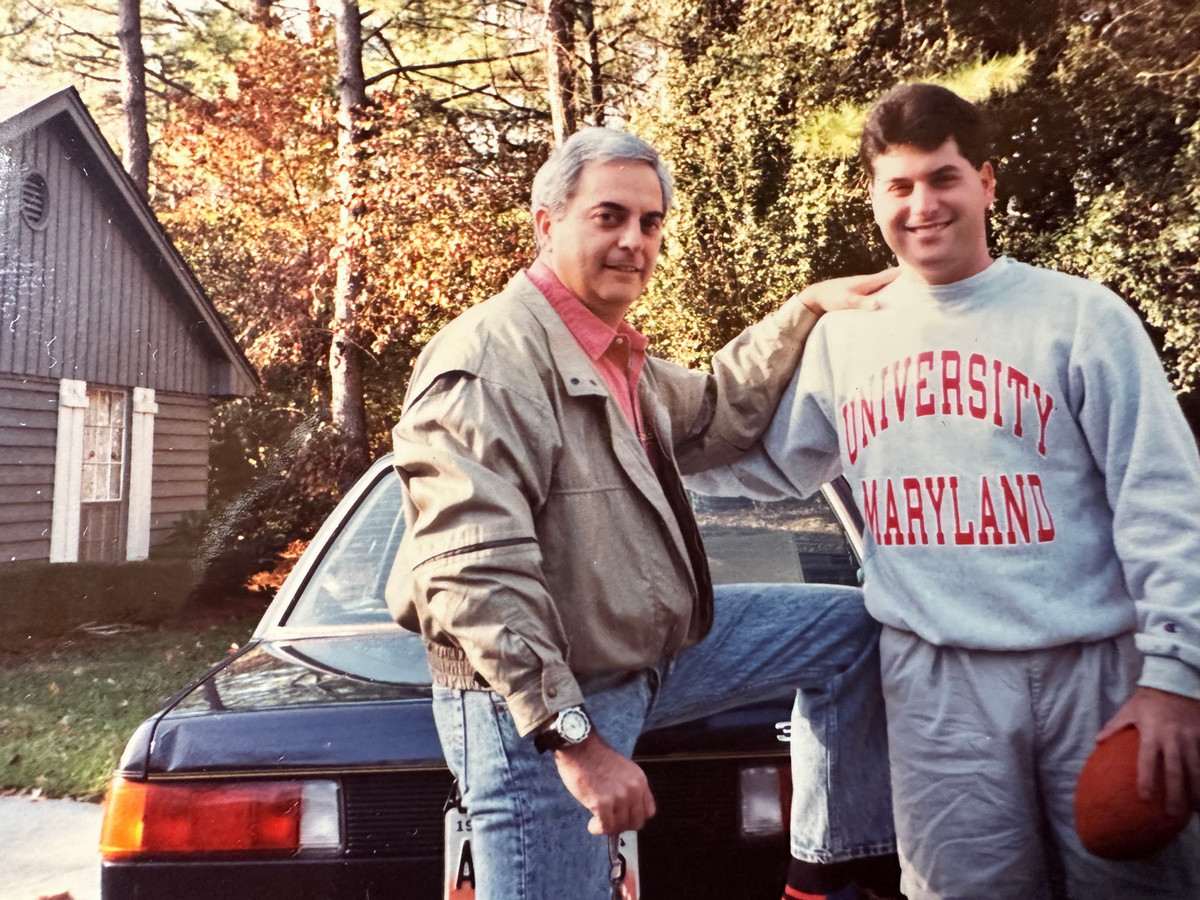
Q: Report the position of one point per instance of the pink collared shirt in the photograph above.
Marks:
(617, 353)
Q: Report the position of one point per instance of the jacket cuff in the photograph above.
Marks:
(535, 703)
(1172, 675)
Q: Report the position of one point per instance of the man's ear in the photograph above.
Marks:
(988, 175)
(541, 227)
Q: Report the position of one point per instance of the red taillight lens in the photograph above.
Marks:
(144, 819)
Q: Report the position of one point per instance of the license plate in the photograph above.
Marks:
(459, 870)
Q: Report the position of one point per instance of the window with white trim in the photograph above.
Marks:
(105, 443)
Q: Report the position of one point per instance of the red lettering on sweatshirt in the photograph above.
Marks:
(850, 432)
(1014, 514)
(925, 404)
(951, 382)
(870, 507)
(1020, 384)
(962, 390)
(883, 417)
(866, 418)
(976, 522)
(961, 537)
(997, 419)
(989, 528)
(892, 533)
(1045, 529)
(935, 500)
(978, 386)
(900, 386)
(916, 513)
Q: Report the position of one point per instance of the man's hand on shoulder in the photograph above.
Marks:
(612, 787)
(1169, 729)
(852, 292)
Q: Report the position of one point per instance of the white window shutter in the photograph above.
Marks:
(141, 472)
(68, 471)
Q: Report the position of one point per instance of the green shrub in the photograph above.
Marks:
(43, 600)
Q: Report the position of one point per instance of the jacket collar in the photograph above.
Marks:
(579, 375)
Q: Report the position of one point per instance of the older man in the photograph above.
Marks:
(553, 567)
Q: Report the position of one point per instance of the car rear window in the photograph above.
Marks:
(748, 541)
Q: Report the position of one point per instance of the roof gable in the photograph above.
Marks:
(66, 112)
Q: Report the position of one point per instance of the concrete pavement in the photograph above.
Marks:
(49, 847)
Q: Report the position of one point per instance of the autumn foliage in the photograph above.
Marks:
(245, 185)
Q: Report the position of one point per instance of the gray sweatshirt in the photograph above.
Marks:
(1025, 473)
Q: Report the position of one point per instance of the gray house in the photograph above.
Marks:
(110, 353)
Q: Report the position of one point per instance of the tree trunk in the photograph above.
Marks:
(348, 413)
(260, 13)
(560, 67)
(587, 18)
(133, 93)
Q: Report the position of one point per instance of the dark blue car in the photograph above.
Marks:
(306, 765)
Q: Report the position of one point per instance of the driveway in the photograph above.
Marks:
(48, 847)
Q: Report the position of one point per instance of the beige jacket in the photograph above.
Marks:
(540, 544)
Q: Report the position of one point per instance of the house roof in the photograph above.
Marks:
(23, 111)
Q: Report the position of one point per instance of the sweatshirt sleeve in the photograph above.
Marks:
(474, 473)
(798, 452)
(716, 417)
(1142, 444)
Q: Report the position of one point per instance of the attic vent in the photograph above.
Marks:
(35, 200)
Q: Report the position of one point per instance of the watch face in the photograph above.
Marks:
(573, 725)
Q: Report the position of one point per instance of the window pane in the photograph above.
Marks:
(116, 443)
(89, 482)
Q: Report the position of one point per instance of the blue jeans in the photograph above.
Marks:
(530, 838)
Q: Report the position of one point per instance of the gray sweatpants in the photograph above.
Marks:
(986, 748)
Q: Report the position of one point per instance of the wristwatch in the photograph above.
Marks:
(570, 727)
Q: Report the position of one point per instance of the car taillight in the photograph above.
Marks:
(275, 817)
(765, 800)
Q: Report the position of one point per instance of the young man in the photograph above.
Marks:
(554, 569)
(1031, 494)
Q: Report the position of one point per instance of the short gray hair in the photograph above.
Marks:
(556, 181)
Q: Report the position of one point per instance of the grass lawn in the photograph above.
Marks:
(68, 704)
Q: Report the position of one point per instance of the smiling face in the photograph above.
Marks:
(604, 245)
(931, 206)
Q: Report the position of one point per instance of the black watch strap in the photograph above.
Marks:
(548, 739)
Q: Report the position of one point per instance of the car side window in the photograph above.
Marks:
(346, 587)
(765, 541)
(747, 541)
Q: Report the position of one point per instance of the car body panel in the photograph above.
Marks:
(330, 687)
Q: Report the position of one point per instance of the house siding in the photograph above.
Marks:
(84, 301)
(28, 427)
(180, 479)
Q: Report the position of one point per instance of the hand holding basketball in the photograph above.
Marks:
(1112, 820)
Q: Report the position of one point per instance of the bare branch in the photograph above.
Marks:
(20, 30)
(420, 68)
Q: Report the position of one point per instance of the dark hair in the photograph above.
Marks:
(924, 116)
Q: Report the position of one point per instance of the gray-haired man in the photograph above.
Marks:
(553, 566)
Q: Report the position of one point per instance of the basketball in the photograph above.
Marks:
(1112, 820)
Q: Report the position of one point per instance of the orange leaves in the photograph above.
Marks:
(247, 186)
